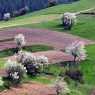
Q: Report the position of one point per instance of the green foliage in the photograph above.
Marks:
(33, 48)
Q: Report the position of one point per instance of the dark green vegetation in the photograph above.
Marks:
(33, 48)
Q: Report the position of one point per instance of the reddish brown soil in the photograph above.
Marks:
(30, 89)
(39, 36)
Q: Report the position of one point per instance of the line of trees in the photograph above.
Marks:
(12, 6)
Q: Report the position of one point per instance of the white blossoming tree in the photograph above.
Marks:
(20, 41)
(71, 16)
(15, 72)
(77, 50)
(31, 62)
(68, 20)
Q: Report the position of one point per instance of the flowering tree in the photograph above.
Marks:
(71, 16)
(32, 62)
(68, 20)
(77, 50)
(20, 40)
(15, 72)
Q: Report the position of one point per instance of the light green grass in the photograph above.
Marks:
(85, 26)
(2, 61)
(60, 9)
(33, 48)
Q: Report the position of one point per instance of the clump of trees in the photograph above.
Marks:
(32, 63)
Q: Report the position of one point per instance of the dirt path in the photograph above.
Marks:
(93, 92)
(30, 89)
(58, 40)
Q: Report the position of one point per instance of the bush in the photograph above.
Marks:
(32, 69)
(15, 73)
(52, 3)
(34, 64)
(6, 16)
(75, 75)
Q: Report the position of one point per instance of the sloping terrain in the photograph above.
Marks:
(39, 36)
(30, 89)
(56, 10)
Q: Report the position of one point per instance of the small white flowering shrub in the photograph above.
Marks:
(61, 87)
(20, 40)
(32, 63)
(15, 72)
(71, 16)
(68, 20)
(77, 49)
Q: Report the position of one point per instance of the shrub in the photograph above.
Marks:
(28, 60)
(20, 41)
(52, 3)
(75, 74)
(6, 16)
(61, 87)
(68, 20)
(33, 64)
(15, 72)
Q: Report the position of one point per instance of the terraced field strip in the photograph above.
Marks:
(29, 20)
(30, 89)
(55, 39)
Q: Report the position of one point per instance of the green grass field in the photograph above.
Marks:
(56, 10)
(33, 48)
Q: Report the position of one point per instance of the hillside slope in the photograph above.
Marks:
(56, 10)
